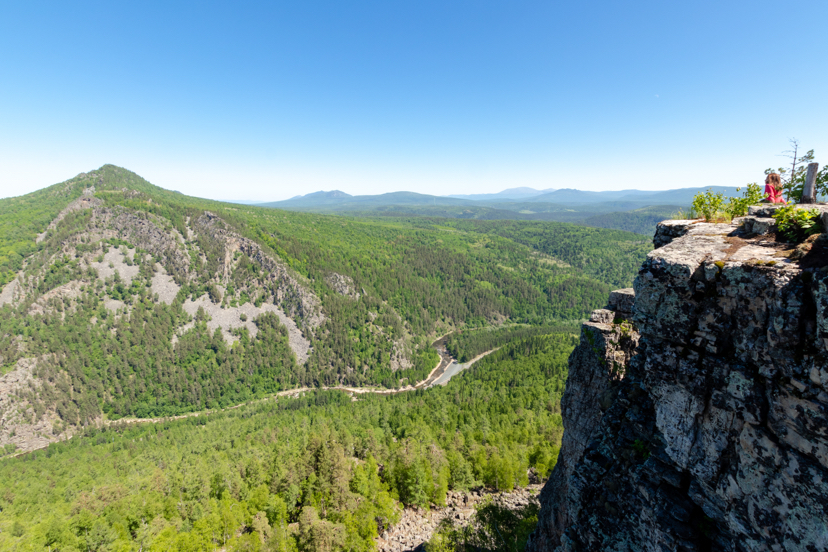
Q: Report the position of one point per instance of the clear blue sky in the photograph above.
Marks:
(246, 100)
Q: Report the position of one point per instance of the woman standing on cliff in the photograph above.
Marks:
(773, 189)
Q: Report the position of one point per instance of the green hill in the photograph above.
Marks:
(139, 301)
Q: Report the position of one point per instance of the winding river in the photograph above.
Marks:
(448, 366)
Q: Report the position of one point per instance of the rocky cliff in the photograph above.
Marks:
(696, 406)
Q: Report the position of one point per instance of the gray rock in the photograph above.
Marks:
(621, 301)
(768, 209)
(759, 225)
(602, 316)
(763, 210)
(710, 431)
(668, 230)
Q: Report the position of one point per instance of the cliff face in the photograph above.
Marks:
(703, 425)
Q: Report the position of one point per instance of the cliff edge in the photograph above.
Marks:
(696, 409)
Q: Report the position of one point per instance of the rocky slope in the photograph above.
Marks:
(98, 262)
(696, 405)
(417, 526)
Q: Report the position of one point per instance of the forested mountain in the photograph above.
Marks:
(122, 299)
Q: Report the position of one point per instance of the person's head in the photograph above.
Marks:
(774, 180)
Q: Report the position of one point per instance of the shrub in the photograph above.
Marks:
(797, 224)
(738, 206)
(712, 207)
(681, 214)
(709, 205)
(215, 293)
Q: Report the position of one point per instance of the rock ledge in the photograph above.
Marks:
(702, 423)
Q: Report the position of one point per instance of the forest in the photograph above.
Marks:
(22, 219)
(319, 472)
(411, 280)
(642, 220)
(96, 346)
(465, 345)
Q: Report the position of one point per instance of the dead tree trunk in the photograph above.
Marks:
(808, 190)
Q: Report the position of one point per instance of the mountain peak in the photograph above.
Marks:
(333, 194)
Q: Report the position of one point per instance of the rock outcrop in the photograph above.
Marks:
(21, 427)
(87, 200)
(291, 294)
(699, 420)
(146, 231)
(417, 525)
(343, 285)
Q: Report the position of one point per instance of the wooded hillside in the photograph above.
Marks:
(338, 468)
(142, 302)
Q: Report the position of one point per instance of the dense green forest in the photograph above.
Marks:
(110, 346)
(318, 472)
(465, 345)
(610, 256)
(23, 218)
(642, 220)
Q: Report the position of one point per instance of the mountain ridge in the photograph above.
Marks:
(561, 196)
(509, 193)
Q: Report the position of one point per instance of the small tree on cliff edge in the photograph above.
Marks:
(793, 178)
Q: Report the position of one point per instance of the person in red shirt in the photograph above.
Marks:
(773, 189)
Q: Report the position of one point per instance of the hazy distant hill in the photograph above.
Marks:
(338, 201)
(641, 221)
(520, 200)
(632, 210)
(315, 199)
(242, 201)
(511, 193)
(681, 196)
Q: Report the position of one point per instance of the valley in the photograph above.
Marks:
(191, 483)
(447, 368)
(412, 277)
(431, 350)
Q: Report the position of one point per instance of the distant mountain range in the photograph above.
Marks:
(681, 196)
(338, 200)
(632, 210)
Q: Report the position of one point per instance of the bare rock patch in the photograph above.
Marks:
(9, 293)
(230, 318)
(18, 425)
(70, 290)
(117, 260)
(344, 285)
(164, 286)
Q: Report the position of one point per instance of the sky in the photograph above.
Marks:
(266, 101)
